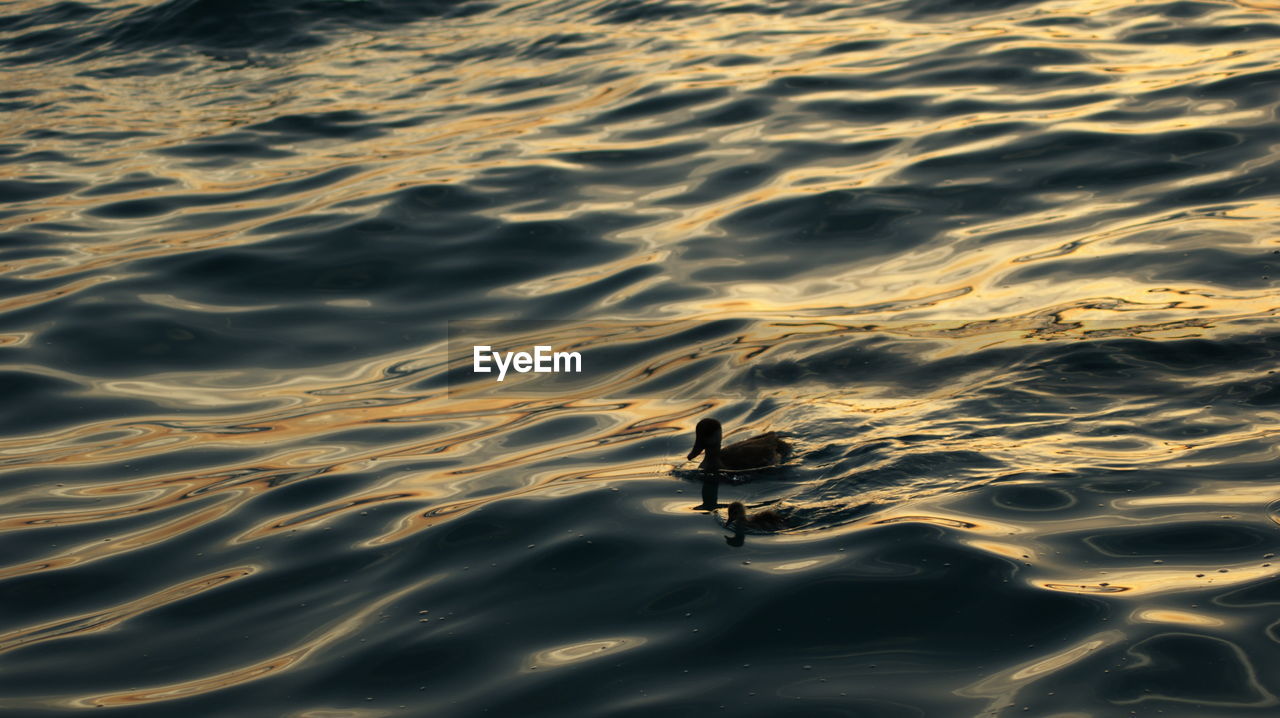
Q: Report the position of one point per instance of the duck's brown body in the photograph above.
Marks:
(754, 453)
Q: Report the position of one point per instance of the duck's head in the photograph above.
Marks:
(706, 437)
(737, 514)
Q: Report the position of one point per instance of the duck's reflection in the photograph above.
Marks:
(710, 495)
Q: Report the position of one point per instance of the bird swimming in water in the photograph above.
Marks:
(754, 453)
(767, 520)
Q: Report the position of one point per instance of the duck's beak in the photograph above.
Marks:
(698, 445)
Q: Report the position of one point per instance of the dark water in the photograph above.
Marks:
(1005, 272)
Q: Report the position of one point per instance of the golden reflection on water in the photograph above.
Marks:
(111, 617)
(1186, 618)
(440, 147)
(582, 651)
(1001, 688)
(785, 568)
(120, 542)
(1159, 579)
(308, 412)
(260, 669)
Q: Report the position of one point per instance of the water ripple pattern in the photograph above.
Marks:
(1005, 271)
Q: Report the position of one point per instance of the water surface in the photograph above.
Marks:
(1003, 270)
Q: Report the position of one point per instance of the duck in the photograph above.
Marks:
(767, 520)
(754, 453)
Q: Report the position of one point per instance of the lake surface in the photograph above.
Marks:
(1004, 273)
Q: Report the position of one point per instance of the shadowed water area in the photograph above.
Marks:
(1003, 272)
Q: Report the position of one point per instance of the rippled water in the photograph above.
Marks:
(1004, 272)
